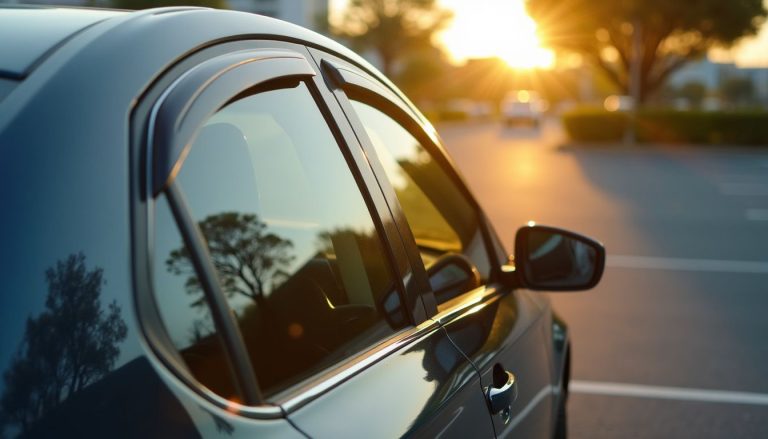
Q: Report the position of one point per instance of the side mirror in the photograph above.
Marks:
(452, 274)
(547, 258)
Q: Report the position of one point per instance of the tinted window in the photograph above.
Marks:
(442, 220)
(184, 311)
(294, 245)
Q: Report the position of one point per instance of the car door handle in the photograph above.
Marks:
(502, 397)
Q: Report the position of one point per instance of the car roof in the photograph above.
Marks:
(28, 33)
(120, 53)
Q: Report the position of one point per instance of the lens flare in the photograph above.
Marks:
(495, 28)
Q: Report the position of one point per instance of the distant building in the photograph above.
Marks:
(703, 71)
(759, 77)
(712, 75)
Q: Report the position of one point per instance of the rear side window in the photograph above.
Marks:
(294, 245)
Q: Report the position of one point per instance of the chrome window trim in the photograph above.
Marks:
(307, 391)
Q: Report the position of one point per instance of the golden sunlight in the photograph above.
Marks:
(501, 28)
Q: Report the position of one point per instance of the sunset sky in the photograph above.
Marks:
(483, 28)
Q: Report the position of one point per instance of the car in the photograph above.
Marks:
(220, 224)
(522, 107)
(619, 103)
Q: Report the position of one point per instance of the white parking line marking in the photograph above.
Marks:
(676, 393)
(680, 264)
(742, 178)
(756, 214)
(522, 414)
(744, 189)
(456, 415)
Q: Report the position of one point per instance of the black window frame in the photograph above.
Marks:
(149, 126)
(351, 83)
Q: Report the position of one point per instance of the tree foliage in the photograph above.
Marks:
(672, 32)
(422, 74)
(694, 92)
(391, 28)
(71, 344)
(248, 259)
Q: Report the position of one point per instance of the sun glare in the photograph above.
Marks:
(501, 28)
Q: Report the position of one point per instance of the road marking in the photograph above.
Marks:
(744, 189)
(756, 214)
(522, 414)
(680, 264)
(456, 415)
(676, 393)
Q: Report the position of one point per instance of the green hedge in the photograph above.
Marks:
(669, 126)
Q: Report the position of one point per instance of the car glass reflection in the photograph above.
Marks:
(442, 220)
(558, 260)
(293, 243)
(71, 344)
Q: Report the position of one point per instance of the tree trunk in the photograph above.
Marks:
(387, 64)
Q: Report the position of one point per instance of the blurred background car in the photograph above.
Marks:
(522, 107)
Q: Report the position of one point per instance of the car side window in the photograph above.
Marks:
(442, 220)
(294, 245)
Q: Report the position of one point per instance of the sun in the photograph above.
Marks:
(501, 28)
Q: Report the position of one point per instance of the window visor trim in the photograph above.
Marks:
(357, 86)
(195, 96)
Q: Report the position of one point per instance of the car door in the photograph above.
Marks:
(277, 290)
(504, 332)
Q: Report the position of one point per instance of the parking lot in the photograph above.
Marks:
(672, 343)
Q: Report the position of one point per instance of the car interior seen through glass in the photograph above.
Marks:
(293, 243)
(442, 220)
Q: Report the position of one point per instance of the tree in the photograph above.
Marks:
(422, 75)
(247, 258)
(694, 92)
(391, 28)
(71, 344)
(671, 33)
(738, 90)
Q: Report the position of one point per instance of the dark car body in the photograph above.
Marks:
(98, 110)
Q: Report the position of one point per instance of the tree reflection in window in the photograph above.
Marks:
(296, 250)
(298, 318)
(73, 343)
(249, 259)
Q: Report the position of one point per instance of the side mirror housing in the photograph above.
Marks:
(451, 275)
(552, 259)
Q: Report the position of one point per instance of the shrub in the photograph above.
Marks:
(594, 125)
(670, 126)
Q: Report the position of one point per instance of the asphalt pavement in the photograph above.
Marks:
(674, 341)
